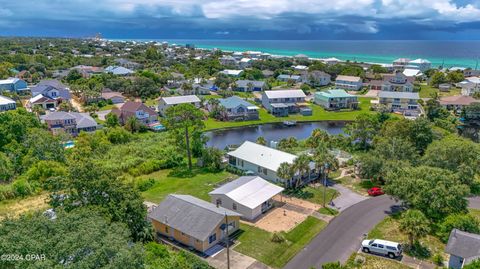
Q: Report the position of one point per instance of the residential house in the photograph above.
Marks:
(48, 94)
(336, 99)
(251, 196)
(144, 114)
(409, 72)
(457, 102)
(283, 102)
(201, 87)
(399, 101)
(193, 222)
(463, 247)
(316, 78)
(245, 63)
(7, 104)
(114, 97)
(232, 73)
(87, 71)
(69, 122)
(13, 85)
(401, 63)
(300, 68)
(301, 57)
(374, 85)
(444, 87)
(331, 61)
(470, 85)
(127, 63)
(237, 108)
(165, 102)
(264, 161)
(397, 82)
(228, 60)
(249, 85)
(348, 83)
(471, 72)
(288, 78)
(119, 71)
(420, 64)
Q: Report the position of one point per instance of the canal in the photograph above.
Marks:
(272, 132)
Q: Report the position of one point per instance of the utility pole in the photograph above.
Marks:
(228, 241)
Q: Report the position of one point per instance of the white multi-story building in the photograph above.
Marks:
(349, 83)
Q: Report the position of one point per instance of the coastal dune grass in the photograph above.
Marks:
(257, 243)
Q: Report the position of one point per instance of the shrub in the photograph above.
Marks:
(21, 187)
(466, 223)
(438, 259)
(118, 136)
(145, 184)
(277, 238)
(6, 192)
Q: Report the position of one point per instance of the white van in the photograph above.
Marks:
(384, 247)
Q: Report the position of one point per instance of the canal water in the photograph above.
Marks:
(272, 132)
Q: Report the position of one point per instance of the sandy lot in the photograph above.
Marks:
(280, 219)
(298, 202)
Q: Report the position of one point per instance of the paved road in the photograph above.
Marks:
(343, 235)
(474, 202)
(347, 197)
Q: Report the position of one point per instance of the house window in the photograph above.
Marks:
(212, 238)
(219, 201)
(232, 224)
(264, 171)
(259, 169)
(166, 230)
(234, 206)
(242, 163)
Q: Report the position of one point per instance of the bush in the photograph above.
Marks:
(21, 187)
(438, 259)
(147, 167)
(145, 184)
(118, 136)
(466, 223)
(277, 238)
(6, 192)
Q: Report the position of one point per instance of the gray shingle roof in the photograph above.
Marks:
(46, 85)
(255, 83)
(190, 215)
(463, 244)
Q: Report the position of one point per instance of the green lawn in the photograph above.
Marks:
(475, 213)
(359, 186)
(256, 243)
(427, 91)
(328, 211)
(199, 185)
(107, 107)
(314, 194)
(318, 114)
(388, 229)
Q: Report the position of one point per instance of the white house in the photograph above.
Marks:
(463, 248)
(420, 64)
(7, 104)
(283, 102)
(316, 78)
(248, 195)
(165, 102)
(470, 85)
(348, 83)
(397, 82)
(232, 73)
(264, 161)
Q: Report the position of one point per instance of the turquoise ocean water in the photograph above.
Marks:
(446, 53)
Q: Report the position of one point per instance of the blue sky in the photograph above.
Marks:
(243, 19)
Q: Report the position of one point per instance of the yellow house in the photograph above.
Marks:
(193, 222)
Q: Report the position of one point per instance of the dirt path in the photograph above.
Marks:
(76, 104)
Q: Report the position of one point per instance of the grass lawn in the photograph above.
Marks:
(151, 102)
(373, 262)
(314, 194)
(359, 186)
(15, 207)
(475, 213)
(388, 229)
(427, 91)
(328, 211)
(167, 181)
(107, 107)
(318, 114)
(256, 242)
(334, 174)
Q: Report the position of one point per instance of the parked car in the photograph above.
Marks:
(375, 191)
(383, 247)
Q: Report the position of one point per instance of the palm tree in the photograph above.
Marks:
(249, 86)
(285, 171)
(324, 162)
(318, 136)
(261, 140)
(302, 166)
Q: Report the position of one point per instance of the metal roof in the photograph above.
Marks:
(235, 101)
(174, 100)
(250, 191)
(5, 100)
(285, 94)
(401, 95)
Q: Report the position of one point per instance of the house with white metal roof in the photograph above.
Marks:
(351, 83)
(470, 85)
(248, 195)
(283, 102)
(232, 73)
(7, 104)
(420, 64)
(264, 161)
(165, 102)
(193, 222)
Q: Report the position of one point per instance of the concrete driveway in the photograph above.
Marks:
(346, 198)
(237, 261)
(344, 234)
(103, 113)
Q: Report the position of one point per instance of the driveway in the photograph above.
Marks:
(102, 114)
(474, 202)
(344, 234)
(346, 198)
(237, 261)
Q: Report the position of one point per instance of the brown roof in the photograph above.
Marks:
(458, 100)
(130, 106)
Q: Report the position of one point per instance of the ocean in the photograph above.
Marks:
(446, 53)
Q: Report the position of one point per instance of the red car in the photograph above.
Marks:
(375, 191)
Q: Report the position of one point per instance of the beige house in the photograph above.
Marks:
(399, 101)
(193, 222)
